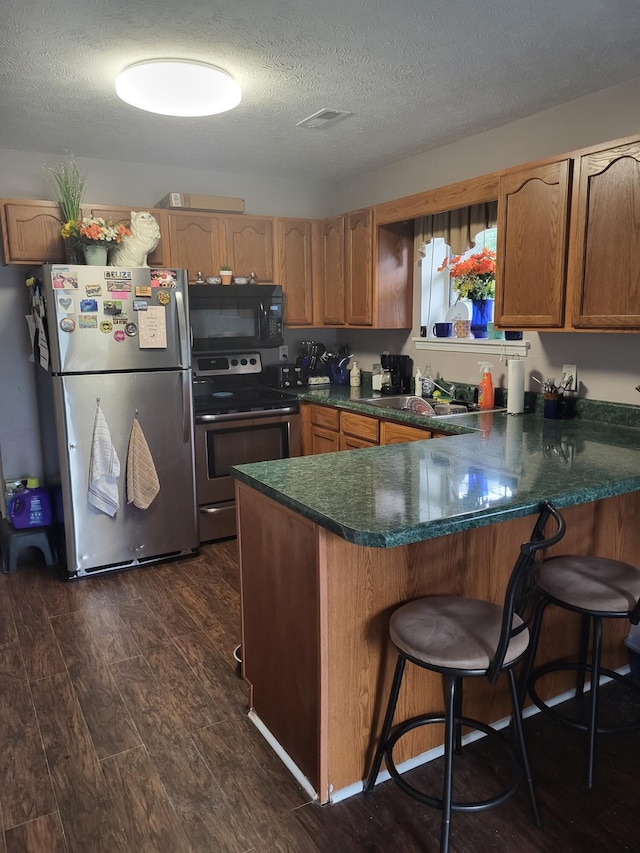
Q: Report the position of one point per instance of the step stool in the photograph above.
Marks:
(12, 541)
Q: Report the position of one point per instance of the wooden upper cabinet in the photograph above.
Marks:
(160, 255)
(359, 268)
(195, 243)
(533, 210)
(31, 232)
(393, 275)
(604, 263)
(249, 246)
(333, 292)
(295, 268)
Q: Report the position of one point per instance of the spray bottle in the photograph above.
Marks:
(485, 388)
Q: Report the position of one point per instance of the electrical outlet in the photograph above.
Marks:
(573, 369)
(283, 353)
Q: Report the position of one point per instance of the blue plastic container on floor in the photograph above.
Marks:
(30, 507)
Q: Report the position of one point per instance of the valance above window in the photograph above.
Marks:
(455, 226)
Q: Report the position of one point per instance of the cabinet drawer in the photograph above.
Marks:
(324, 416)
(393, 433)
(360, 426)
(351, 442)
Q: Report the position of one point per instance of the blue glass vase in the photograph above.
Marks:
(481, 315)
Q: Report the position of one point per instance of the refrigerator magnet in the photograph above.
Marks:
(106, 326)
(68, 324)
(64, 304)
(140, 305)
(87, 305)
(164, 297)
(143, 291)
(87, 321)
(131, 329)
(119, 335)
(94, 290)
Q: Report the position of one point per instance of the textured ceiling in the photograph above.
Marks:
(416, 74)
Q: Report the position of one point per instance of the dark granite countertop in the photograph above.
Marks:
(492, 467)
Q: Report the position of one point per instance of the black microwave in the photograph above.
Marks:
(235, 316)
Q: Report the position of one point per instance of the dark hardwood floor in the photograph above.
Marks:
(123, 728)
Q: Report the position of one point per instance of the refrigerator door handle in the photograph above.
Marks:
(185, 378)
(182, 329)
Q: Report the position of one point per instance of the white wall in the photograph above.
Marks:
(608, 364)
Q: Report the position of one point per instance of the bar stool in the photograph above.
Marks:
(462, 637)
(597, 589)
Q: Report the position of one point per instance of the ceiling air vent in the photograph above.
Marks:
(322, 118)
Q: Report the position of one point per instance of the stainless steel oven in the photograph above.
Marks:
(237, 421)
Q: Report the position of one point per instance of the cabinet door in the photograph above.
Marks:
(31, 232)
(532, 247)
(333, 296)
(249, 246)
(324, 440)
(359, 426)
(160, 255)
(359, 268)
(604, 269)
(351, 442)
(294, 269)
(395, 433)
(195, 243)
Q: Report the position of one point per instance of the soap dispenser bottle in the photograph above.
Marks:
(354, 376)
(485, 388)
(417, 383)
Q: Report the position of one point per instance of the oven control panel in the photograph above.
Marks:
(227, 364)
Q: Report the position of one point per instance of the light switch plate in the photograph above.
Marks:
(283, 353)
(573, 369)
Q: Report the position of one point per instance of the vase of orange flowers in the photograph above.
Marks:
(474, 278)
(95, 236)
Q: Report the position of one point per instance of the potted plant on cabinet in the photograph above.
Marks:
(226, 274)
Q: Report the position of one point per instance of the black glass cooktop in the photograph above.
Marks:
(213, 398)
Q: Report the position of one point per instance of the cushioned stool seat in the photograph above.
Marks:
(596, 588)
(458, 638)
(13, 541)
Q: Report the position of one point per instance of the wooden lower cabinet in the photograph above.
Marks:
(326, 429)
(315, 625)
(395, 433)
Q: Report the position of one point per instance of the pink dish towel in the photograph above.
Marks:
(104, 468)
(142, 478)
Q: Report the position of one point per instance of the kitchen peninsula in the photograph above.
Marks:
(331, 544)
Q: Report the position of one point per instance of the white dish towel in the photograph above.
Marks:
(104, 468)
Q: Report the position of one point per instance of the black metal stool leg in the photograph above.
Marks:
(517, 725)
(457, 713)
(584, 654)
(531, 654)
(595, 694)
(451, 726)
(386, 726)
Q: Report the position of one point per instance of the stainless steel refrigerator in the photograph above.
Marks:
(112, 349)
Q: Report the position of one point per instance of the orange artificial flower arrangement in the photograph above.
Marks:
(474, 276)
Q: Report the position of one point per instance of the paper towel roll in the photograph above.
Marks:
(515, 386)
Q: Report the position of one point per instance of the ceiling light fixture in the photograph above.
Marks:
(178, 87)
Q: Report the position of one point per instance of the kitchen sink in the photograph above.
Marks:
(400, 402)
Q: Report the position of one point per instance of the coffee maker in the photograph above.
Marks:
(396, 377)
